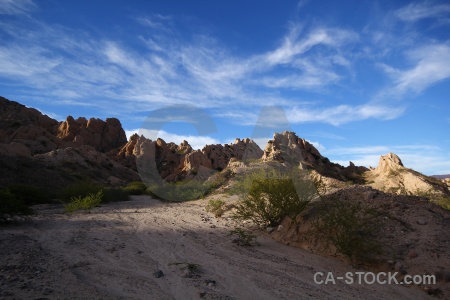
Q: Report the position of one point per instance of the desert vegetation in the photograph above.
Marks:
(352, 228)
(243, 237)
(271, 195)
(216, 206)
(12, 206)
(84, 203)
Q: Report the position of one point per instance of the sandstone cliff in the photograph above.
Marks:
(392, 176)
(27, 126)
(76, 147)
(289, 149)
(102, 135)
(177, 162)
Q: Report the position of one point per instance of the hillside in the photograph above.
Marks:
(113, 250)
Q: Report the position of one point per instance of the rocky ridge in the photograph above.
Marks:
(392, 176)
(99, 150)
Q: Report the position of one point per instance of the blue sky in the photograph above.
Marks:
(356, 78)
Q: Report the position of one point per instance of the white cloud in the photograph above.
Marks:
(196, 142)
(201, 72)
(432, 65)
(318, 146)
(284, 116)
(417, 11)
(16, 7)
(427, 159)
(343, 114)
(293, 45)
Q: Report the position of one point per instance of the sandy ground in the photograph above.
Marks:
(114, 251)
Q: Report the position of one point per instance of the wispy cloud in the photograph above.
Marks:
(334, 115)
(431, 65)
(74, 65)
(344, 114)
(427, 159)
(421, 10)
(16, 7)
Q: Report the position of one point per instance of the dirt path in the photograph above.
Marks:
(113, 253)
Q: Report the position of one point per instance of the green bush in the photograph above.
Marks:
(444, 202)
(243, 183)
(135, 188)
(30, 195)
(270, 199)
(243, 238)
(11, 206)
(216, 207)
(85, 188)
(180, 191)
(84, 203)
(79, 189)
(351, 227)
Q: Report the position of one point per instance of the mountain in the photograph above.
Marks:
(33, 144)
(441, 176)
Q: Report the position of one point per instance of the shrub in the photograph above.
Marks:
(192, 269)
(180, 191)
(269, 200)
(11, 206)
(29, 194)
(444, 202)
(243, 238)
(115, 195)
(245, 181)
(135, 188)
(84, 203)
(79, 189)
(219, 179)
(351, 227)
(216, 207)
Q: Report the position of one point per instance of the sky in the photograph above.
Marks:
(358, 79)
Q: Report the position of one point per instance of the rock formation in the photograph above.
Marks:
(389, 163)
(220, 155)
(177, 162)
(27, 126)
(98, 149)
(102, 135)
(289, 149)
(392, 176)
(72, 147)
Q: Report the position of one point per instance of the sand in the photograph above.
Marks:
(114, 251)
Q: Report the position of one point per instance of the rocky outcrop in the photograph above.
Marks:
(102, 135)
(27, 126)
(177, 162)
(72, 147)
(42, 134)
(389, 163)
(88, 162)
(15, 149)
(446, 181)
(289, 149)
(392, 176)
(243, 150)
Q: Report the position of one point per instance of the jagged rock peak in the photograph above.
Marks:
(288, 147)
(389, 162)
(102, 135)
(26, 126)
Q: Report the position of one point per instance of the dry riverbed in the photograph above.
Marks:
(115, 251)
